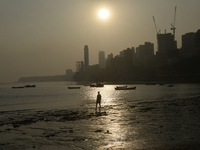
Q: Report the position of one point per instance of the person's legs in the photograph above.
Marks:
(99, 107)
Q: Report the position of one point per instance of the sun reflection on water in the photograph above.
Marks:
(114, 126)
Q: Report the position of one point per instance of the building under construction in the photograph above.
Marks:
(167, 45)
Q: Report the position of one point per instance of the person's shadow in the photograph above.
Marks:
(99, 113)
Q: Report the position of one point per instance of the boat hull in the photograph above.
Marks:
(74, 87)
(18, 87)
(29, 86)
(96, 85)
(125, 88)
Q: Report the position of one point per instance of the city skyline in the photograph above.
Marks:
(41, 38)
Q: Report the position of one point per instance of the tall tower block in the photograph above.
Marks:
(102, 60)
(86, 57)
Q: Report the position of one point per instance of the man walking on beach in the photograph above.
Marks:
(98, 101)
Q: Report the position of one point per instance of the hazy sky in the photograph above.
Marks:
(46, 37)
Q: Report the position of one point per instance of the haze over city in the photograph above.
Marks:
(43, 38)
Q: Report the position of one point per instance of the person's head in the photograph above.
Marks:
(98, 92)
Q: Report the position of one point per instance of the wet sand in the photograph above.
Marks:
(157, 125)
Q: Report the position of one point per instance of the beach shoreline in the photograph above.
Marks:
(168, 124)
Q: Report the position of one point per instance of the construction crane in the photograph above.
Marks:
(157, 32)
(155, 24)
(173, 25)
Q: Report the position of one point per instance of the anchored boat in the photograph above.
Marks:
(125, 88)
(74, 87)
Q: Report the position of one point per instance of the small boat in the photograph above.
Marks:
(92, 85)
(97, 85)
(74, 87)
(28, 86)
(171, 85)
(125, 88)
(17, 87)
(121, 86)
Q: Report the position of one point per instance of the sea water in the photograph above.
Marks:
(56, 95)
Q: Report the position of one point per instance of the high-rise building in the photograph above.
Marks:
(145, 54)
(79, 66)
(68, 72)
(108, 60)
(197, 40)
(145, 50)
(166, 43)
(102, 60)
(128, 55)
(188, 43)
(86, 57)
(110, 56)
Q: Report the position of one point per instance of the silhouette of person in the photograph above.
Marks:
(98, 101)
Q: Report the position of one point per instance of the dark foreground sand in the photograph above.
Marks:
(157, 125)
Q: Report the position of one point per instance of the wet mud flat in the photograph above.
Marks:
(163, 124)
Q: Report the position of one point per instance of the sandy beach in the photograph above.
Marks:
(168, 124)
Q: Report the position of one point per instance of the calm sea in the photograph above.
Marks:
(56, 95)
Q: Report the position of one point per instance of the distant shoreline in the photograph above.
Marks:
(46, 78)
(194, 78)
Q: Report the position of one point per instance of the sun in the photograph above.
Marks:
(103, 13)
